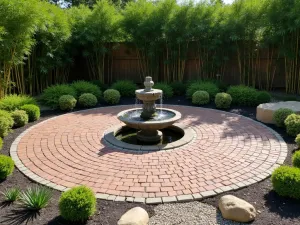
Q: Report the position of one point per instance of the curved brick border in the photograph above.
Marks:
(278, 151)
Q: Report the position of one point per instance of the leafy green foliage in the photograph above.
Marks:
(87, 100)
(32, 111)
(36, 198)
(13, 102)
(77, 204)
(207, 86)
(101, 85)
(111, 96)
(297, 140)
(292, 123)
(82, 87)
(263, 97)
(286, 181)
(11, 195)
(125, 87)
(67, 102)
(296, 159)
(6, 123)
(223, 100)
(51, 95)
(200, 98)
(167, 89)
(6, 166)
(179, 88)
(1, 143)
(243, 95)
(280, 115)
(20, 118)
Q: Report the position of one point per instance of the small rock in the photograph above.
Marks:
(236, 209)
(134, 216)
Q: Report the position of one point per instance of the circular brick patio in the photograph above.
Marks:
(227, 152)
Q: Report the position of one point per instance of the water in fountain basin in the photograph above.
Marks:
(161, 102)
(162, 114)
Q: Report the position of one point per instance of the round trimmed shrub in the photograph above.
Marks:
(6, 166)
(6, 123)
(67, 102)
(32, 111)
(167, 89)
(243, 95)
(111, 96)
(296, 159)
(263, 97)
(200, 98)
(223, 100)
(77, 204)
(87, 100)
(297, 140)
(125, 87)
(292, 123)
(280, 115)
(210, 87)
(1, 143)
(286, 181)
(82, 87)
(179, 88)
(20, 118)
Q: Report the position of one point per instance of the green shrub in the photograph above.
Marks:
(286, 181)
(111, 96)
(200, 98)
(36, 198)
(14, 102)
(207, 86)
(82, 87)
(125, 87)
(297, 140)
(179, 88)
(20, 118)
(77, 204)
(243, 96)
(102, 86)
(280, 115)
(223, 100)
(292, 123)
(51, 95)
(87, 100)
(6, 123)
(32, 111)
(263, 97)
(296, 159)
(6, 166)
(11, 195)
(1, 143)
(67, 102)
(167, 89)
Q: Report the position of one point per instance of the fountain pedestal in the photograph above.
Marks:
(149, 136)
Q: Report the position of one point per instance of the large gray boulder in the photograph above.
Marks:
(134, 216)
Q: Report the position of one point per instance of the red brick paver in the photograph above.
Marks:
(229, 152)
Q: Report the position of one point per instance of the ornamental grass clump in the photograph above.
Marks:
(125, 87)
(20, 118)
(14, 102)
(210, 87)
(223, 100)
(292, 124)
(77, 204)
(200, 98)
(6, 123)
(111, 96)
(6, 166)
(286, 181)
(87, 100)
(32, 111)
(11, 195)
(67, 102)
(82, 87)
(36, 198)
(167, 89)
(280, 115)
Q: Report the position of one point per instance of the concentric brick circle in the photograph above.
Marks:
(228, 152)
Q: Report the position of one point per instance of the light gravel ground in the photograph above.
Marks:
(192, 213)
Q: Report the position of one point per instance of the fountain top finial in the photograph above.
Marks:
(148, 84)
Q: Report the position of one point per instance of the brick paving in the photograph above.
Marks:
(228, 152)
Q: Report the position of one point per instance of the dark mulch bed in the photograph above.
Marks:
(274, 209)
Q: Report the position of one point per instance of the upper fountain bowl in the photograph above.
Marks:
(150, 95)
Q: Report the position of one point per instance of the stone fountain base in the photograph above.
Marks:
(149, 136)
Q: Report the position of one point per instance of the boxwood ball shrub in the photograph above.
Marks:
(13, 102)
(167, 89)
(292, 124)
(296, 159)
(82, 87)
(32, 111)
(243, 95)
(1, 143)
(223, 100)
(210, 87)
(6, 123)
(263, 97)
(200, 98)
(67, 102)
(286, 181)
(6, 166)
(125, 87)
(20, 118)
(111, 96)
(297, 140)
(87, 100)
(179, 88)
(77, 204)
(280, 115)
(51, 95)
